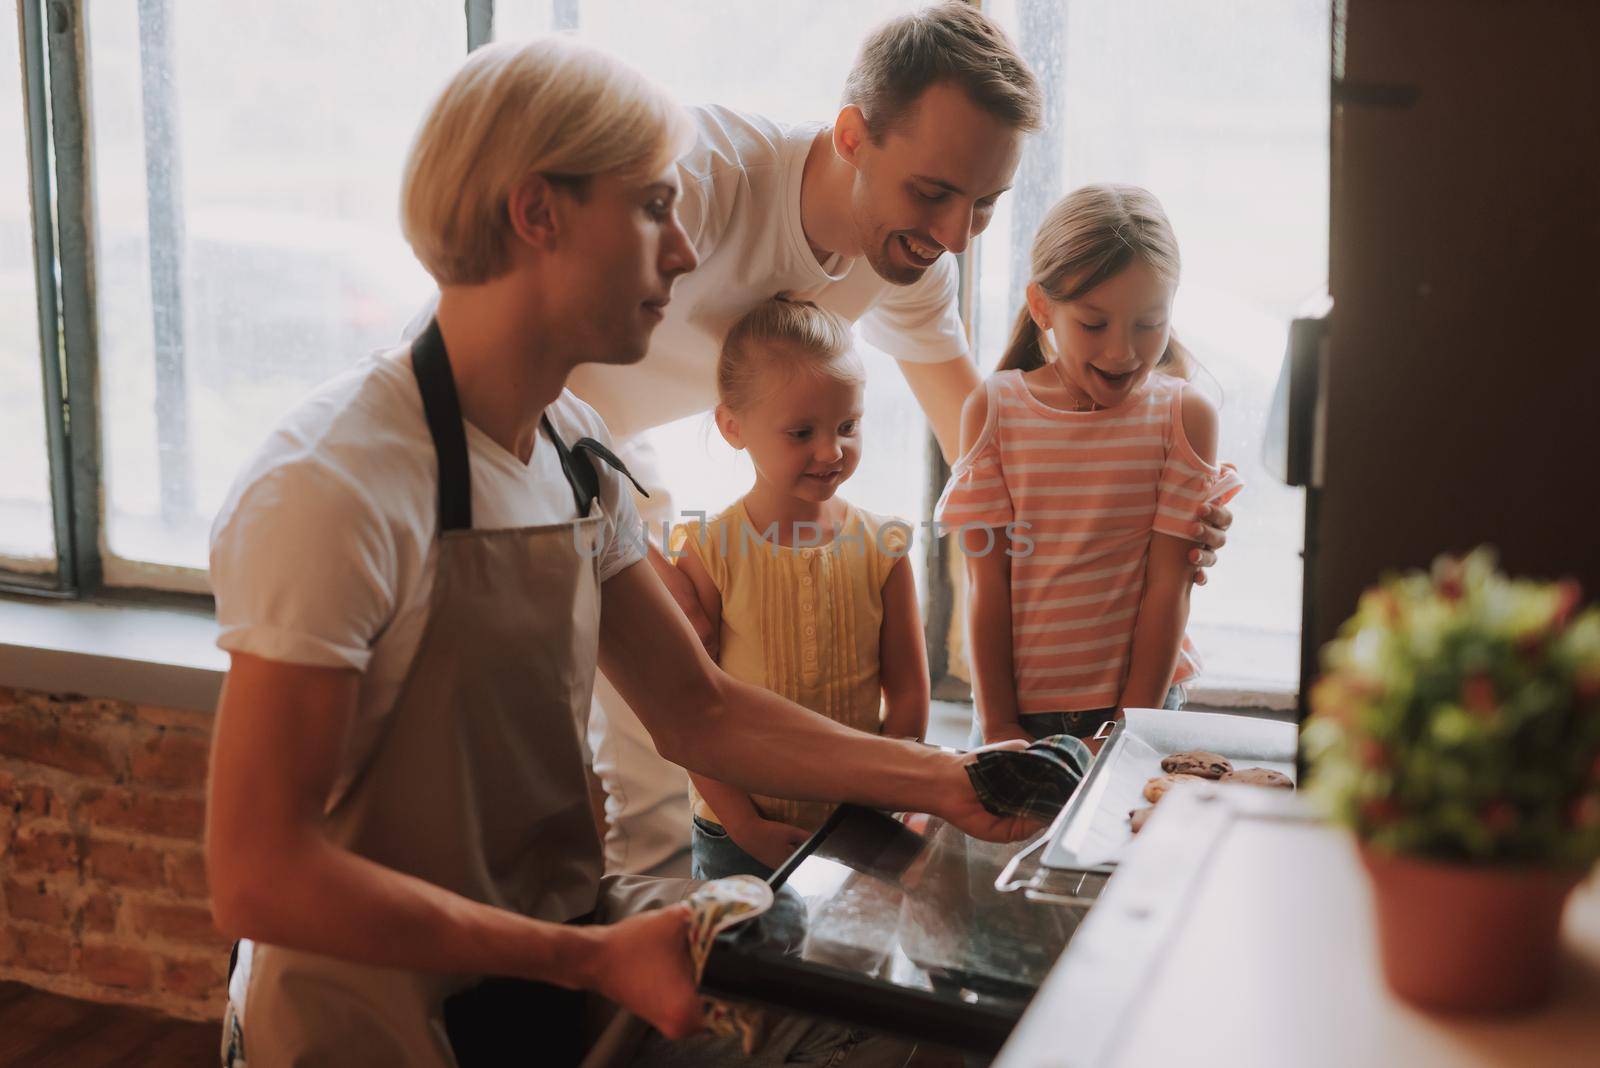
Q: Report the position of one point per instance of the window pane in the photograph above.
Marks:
(27, 526)
(1224, 116)
(264, 159)
(719, 52)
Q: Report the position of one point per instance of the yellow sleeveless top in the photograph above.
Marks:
(803, 622)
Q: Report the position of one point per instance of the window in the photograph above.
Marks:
(243, 246)
(246, 239)
(1222, 112)
(27, 530)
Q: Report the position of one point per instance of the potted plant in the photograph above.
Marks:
(1456, 731)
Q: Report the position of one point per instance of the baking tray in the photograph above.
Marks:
(1091, 833)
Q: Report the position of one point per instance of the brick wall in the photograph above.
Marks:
(102, 877)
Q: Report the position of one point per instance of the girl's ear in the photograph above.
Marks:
(1039, 306)
(728, 426)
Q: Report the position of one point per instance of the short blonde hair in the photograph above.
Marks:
(778, 339)
(552, 106)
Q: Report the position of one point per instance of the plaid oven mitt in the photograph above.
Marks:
(1036, 781)
(715, 907)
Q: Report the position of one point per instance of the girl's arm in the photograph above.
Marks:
(1163, 614)
(902, 657)
(994, 685)
(764, 839)
(1168, 578)
(705, 591)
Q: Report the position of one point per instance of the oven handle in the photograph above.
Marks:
(1006, 882)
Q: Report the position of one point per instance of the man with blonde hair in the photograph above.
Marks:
(416, 576)
(863, 217)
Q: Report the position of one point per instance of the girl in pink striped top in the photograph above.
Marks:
(1087, 460)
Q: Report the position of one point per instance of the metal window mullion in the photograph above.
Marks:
(37, 120)
(480, 23)
(79, 325)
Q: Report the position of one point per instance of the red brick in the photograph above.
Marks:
(37, 850)
(156, 716)
(199, 978)
(186, 874)
(119, 966)
(169, 817)
(172, 759)
(38, 800)
(99, 913)
(123, 864)
(41, 949)
(38, 740)
(33, 900)
(182, 923)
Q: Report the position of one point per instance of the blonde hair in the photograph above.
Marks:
(950, 42)
(1087, 237)
(782, 337)
(552, 106)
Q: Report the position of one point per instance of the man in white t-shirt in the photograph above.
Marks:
(857, 216)
(416, 577)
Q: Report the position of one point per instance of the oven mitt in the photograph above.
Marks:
(715, 907)
(1036, 781)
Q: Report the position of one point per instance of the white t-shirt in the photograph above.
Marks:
(324, 552)
(741, 207)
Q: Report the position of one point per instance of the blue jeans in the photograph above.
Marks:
(1077, 724)
(714, 854)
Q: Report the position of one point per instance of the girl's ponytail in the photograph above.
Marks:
(1023, 351)
(1177, 361)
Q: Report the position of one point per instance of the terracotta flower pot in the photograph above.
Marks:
(1468, 938)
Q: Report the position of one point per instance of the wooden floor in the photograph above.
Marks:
(42, 1030)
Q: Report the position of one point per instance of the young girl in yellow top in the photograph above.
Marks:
(812, 597)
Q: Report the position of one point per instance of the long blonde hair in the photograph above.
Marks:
(1087, 237)
(780, 336)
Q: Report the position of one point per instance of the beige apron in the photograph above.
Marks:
(477, 784)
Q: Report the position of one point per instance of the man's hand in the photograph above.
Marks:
(962, 809)
(642, 964)
(769, 841)
(682, 589)
(1211, 534)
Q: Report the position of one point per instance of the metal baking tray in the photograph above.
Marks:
(1091, 832)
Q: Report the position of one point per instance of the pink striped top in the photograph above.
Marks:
(1091, 488)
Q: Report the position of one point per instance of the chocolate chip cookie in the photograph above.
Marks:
(1156, 787)
(1138, 817)
(1199, 762)
(1260, 777)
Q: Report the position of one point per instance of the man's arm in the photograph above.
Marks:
(275, 877)
(751, 738)
(941, 388)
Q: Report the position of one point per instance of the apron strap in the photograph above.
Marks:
(578, 465)
(442, 409)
